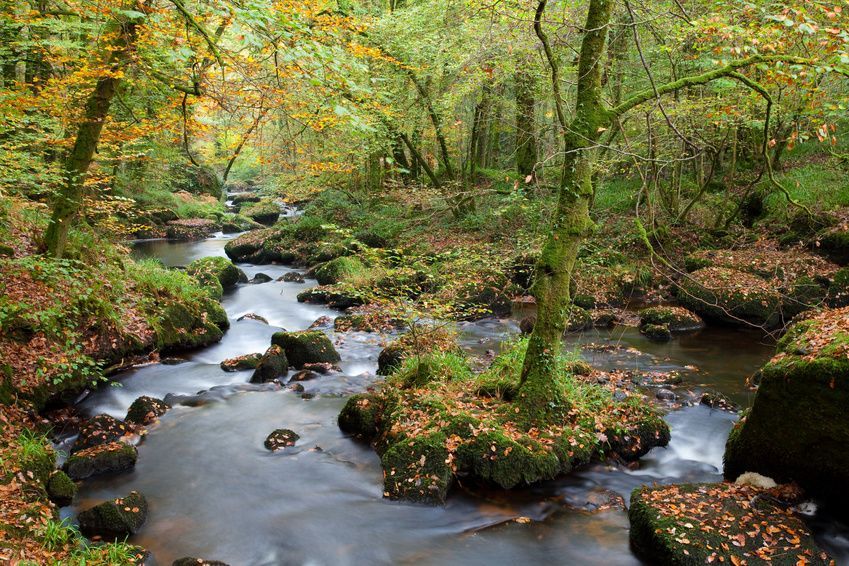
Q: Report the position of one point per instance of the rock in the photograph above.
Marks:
(304, 375)
(245, 198)
(253, 316)
(145, 410)
(526, 326)
(756, 480)
(296, 387)
(307, 396)
(260, 278)
(676, 319)
(731, 296)
(309, 346)
(721, 524)
(61, 489)
(337, 270)
(332, 297)
(197, 179)
(716, 400)
(116, 519)
(605, 319)
(219, 267)
(586, 302)
(656, 332)
(321, 367)
(293, 277)
(190, 229)
(360, 416)
(101, 429)
(322, 322)
(665, 395)
(274, 364)
(417, 470)
(797, 428)
(107, 458)
(249, 247)
(834, 243)
(231, 228)
(579, 320)
(266, 213)
(190, 561)
(390, 359)
(280, 439)
(185, 326)
(838, 290)
(241, 363)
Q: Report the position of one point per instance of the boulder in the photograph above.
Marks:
(310, 346)
(115, 519)
(731, 296)
(103, 459)
(676, 319)
(360, 416)
(145, 410)
(339, 269)
(579, 320)
(260, 278)
(797, 429)
(245, 198)
(190, 561)
(190, 229)
(198, 180)
(264, 212)
(280, 439)
(834, 243)
(61, 489)
(248, 248)
(219, 267)
(274, 364)
(390, 359)
(695, 524)
(101, 429)
(656, 332)
(253, 316)
(293, 277)
(333, 297)
(241, 363)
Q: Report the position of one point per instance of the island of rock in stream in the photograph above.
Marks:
(215, 491)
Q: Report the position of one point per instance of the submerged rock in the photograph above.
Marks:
(280, 439)
(306, 347)
(101, 429)
(145, 410)
(274, 364)
(241, 363)
(797, 429)
(694, 524)
(261, 278)
(107, 458)
(253, 316)
(190, 561)
(115, 519)
(61, 489)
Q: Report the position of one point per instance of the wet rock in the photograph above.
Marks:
(321, 367)
(107, 458)
(61, 489)
(172, 361)
(101, 429)
(731, 296)
(249, 247)
(310, 346)
(338, 269)
(115, 519)
(296, 387)
(220, 268)
(241, 363)
(676, 319)
(190, 229)
(656, 332)
(390, 359)
(280, 439)
(722, 524)
(261, 278)
(579, 320)
(304, 375)
(321, 322)
(274, 364)
(334, 298)
(293, 277)
(527, 324)
(252, 316)
(245, 198)
(307, 396)
(266, 213)
(596, 501)
(604, 319)
(716, 400)
(145, 410)
(360, 416)
(797, 429)
(190, 561)
(665, 395)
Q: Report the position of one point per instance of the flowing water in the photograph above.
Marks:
(216, 492)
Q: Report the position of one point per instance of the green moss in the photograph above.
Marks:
(675, 318)
(339, 269)
(221, 268)
(35, 456)
(272, 365)
(417, 469)
(495, 458)
(115, 519)
(838, 291)
(731, 296)
(360, 416)
(145, 410)
(656, 332)
(61, 489)
(432, 367)
(263, 212)
(307, 347)
(108, 458)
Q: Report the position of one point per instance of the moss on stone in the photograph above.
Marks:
(838, 290)
(495, 458)
(263, 212)
(100, 429)
(338, 270)
(307, 347)
(280, 439)
(417, 469)
(221, 268)
(656, 332)
(107, 458)
(731, 296)
(115, 519)
(61, 489)
(579, 319)
(272, 365)
(677, 319)
(241, 363)
(145, 410)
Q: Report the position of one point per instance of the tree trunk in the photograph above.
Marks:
(526, 139)
(540, 394)
(68, 202)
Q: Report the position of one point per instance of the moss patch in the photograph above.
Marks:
(307, 347)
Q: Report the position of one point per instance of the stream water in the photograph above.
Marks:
(217, 493)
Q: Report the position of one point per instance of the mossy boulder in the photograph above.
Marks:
(797, 429)
(219, 267)
(190, 229)
(116, 519)
(656, 332)
(107, 458)
(241, 363)
(390, 358)
(101, 429)
(694, 524)
(191, 561)
(417, 470)
(731, 296)
(245, 198)
(335, 296)
(272, 365)
(579, 320)
(360, 416)
(40, 463)
(371, 239)
(249, 247)
(838, 291)
(146, 410)
(61, 489)
(280, 439)
(266, 213)
(198, 180)
(183, 326)
(676, 319)
(307, 347)
(834, 243)
(339, 269)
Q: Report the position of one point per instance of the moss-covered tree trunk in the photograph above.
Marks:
(540, 394)
(68, 202)
(526, 139)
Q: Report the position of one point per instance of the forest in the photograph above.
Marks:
(424, 281)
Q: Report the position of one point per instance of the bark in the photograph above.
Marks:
(526, 139)
(68, 202)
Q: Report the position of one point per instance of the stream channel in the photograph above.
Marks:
(215, 491)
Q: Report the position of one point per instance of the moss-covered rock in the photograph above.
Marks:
(248, 248)
(390, 358)
(696, 524)
(838, 291)
(219, 267)
(190, 229)
(371, 239)
(191, 561)
(797, 429)
(360, 416)
(335, 296)
(656, 332)
(61, 489)
(101, 429)
(417, 469)
(116, 519)
(676, 319)
(731, 296)
(266, 213)
(197, 179)
(579, 319)
(180, 326)
(39, 462)
(241, 363)
(146, 410)
(307, 347)
(339, 269)
(272, 365)
(280, 439)
(107, 458)
(245, 198)
(834, 243)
